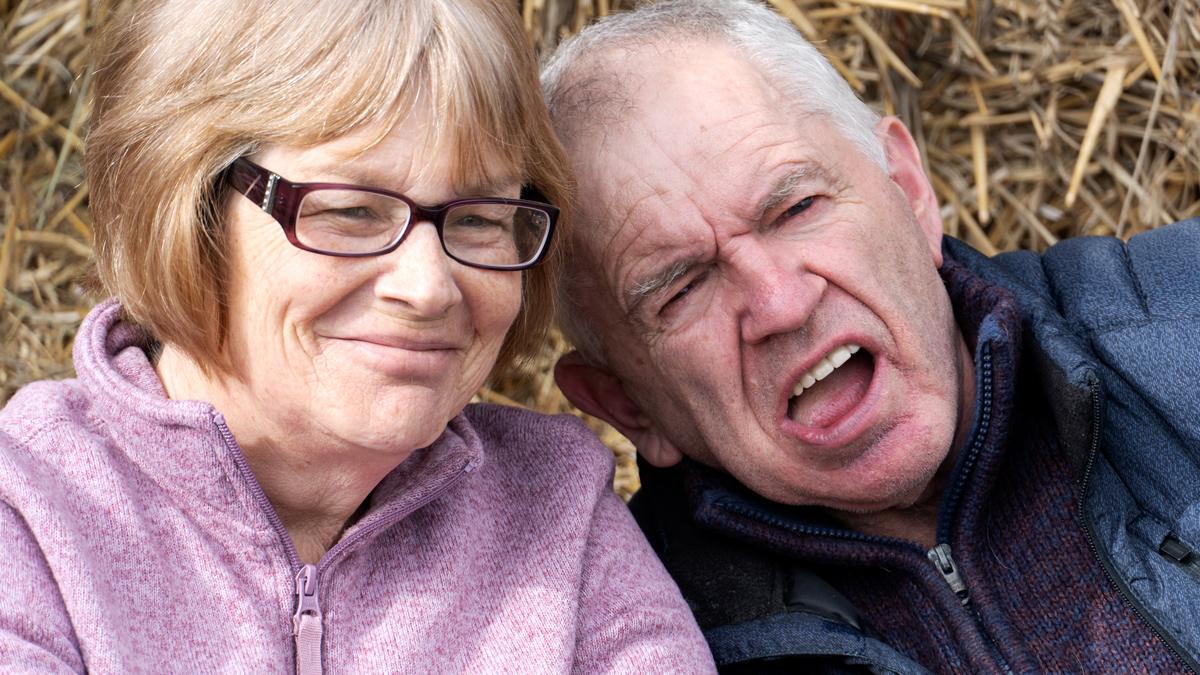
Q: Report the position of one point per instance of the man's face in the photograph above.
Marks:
(740, 251)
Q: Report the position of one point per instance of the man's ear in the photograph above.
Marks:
(906, 171)
(599, 393)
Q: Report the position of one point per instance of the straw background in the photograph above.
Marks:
(1038, 120)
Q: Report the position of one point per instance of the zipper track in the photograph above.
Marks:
(1106, 564)
(730, 504)
(954, 494)
(337, 551)
(850, 535)
(260, 497)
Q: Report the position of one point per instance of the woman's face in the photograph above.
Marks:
(370, 353)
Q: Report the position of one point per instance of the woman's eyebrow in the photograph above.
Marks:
(369, 176)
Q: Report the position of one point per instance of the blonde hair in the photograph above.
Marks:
(183, 88)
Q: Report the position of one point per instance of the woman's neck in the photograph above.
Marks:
(316, 484)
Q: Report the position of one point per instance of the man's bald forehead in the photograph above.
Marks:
(599, 92)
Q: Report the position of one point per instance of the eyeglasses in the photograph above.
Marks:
(354, 221)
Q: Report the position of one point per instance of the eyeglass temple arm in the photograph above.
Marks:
(255, 182)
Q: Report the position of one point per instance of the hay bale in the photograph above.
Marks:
(1038, 120)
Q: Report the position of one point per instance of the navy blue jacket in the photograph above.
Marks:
(1113, 332)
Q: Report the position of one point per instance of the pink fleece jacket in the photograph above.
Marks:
(134, 538)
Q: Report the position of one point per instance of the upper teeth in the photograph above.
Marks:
(824, 367)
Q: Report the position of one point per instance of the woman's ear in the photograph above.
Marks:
(907, 172)
(599, 393)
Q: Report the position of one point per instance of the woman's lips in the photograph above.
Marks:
(398, 342)
(401, 357)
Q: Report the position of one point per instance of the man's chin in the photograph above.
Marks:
(852, 492)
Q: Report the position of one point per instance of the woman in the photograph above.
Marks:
(310, 218)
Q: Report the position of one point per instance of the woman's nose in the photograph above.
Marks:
(420, 275)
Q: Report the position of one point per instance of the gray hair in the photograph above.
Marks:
(767, 41)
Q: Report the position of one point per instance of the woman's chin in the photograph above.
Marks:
(385, 419)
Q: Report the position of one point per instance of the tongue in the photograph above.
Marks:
(828, 400)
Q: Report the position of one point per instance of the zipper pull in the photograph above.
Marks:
(1172, 548)
(306, 622)
(944, 562)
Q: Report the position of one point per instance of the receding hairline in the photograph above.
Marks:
(585, 99)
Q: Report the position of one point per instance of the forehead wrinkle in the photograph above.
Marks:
(618, 255)
(765, 121)
(638, 180)
(766, 152)
(605, 239)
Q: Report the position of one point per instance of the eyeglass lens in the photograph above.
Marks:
(354, 221)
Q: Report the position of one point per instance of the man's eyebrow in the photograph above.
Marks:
(640, 290)
(786, 187)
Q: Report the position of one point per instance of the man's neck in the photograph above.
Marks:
(917, 523)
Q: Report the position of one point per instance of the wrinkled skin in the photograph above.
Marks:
(848, 253)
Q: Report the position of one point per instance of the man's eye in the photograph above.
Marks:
(798, 208)
(681, 294)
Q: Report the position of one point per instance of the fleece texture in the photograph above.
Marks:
(136, 539)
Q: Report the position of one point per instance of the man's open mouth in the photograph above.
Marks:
(832, 387)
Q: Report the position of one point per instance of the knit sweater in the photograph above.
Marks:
(136, 539)
(1037, 598)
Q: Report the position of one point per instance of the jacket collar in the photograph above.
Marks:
(1060, 357)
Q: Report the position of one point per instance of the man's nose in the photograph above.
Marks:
(779, 294)
(420, 275)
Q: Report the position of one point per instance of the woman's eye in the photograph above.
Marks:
(356, 212)
(329, 211)
(798, 208)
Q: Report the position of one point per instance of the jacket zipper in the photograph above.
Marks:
(943, 560)
(307, 620)
(306, 623)
(957, 586)
(941, 556)
(1106, 564)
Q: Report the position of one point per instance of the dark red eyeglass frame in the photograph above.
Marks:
(281, 199)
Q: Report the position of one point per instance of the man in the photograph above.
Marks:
(876, 447)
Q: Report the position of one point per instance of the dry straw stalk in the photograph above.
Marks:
(1038, 120)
